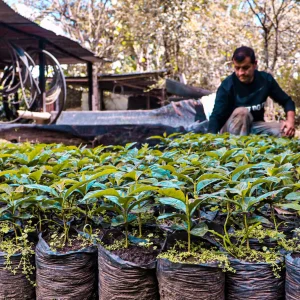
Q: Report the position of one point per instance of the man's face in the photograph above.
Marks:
(245, 70)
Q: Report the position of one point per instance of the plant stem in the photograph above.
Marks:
(126, 235)
(225, 224)
(189, 237)
(273, 216)
(246, 229)
(65, 230)
(188, 219)
(40, 222)
(86, 212)
(140, 224)
(16, 234)
(140, 221)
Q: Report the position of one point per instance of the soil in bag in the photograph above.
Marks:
(65, 275)
(127, 273)
(292, 281)
(15, 286)
(254, 281)
(189, 280)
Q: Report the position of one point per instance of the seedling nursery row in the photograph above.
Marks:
(194, 217)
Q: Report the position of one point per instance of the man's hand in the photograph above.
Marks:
(288, 126)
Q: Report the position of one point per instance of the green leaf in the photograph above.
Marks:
(96, 184)
(25, 216)
(37, 175)
(170, 168)
(134, 175)
(59, 167)
(43, 188)
(83, 162)
(6, 217)
(200, 229)
(50, 204)
(205, 182)
(119, 220)
(138, 200)
(240, 170)
(212, 154)
(136, 240)
(74, 187)
(228, 154)
(129, 203)
(24, 170)
(272, 193)
(139, 188)
(156, 137)
(32, 155)
(293, 196)
(170, 184)
(177, 204)
(257, 183)
(144, 208)
(9, 172)
(150, 181)
(194, 205)
(129, 145)
(108, 171)
(6, 188)
(21, 158)
(97, 194)
(104, 156)
(160, 173)
(173, 193)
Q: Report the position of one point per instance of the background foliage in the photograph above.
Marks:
(193, 37)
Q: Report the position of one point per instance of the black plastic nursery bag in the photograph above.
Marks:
(14, 286)
(292, 281)
(120, 279)
(70, 275)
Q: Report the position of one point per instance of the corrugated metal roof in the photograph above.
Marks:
(126, 76)
(27, 34)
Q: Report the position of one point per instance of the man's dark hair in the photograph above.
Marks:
(242, 52)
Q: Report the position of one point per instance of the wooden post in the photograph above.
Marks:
(93, 87)
(42, 80)
(90, 78)
(95, 103)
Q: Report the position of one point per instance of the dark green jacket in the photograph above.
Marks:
(232, 94)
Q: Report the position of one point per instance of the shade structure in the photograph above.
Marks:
(29, 35)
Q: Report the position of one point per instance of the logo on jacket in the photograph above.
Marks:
(256, 107)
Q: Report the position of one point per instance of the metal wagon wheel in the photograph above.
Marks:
(56, 88)
(19, 89)
(19, 86)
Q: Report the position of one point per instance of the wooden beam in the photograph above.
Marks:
(34, 115)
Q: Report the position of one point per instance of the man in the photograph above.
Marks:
(241, 98)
